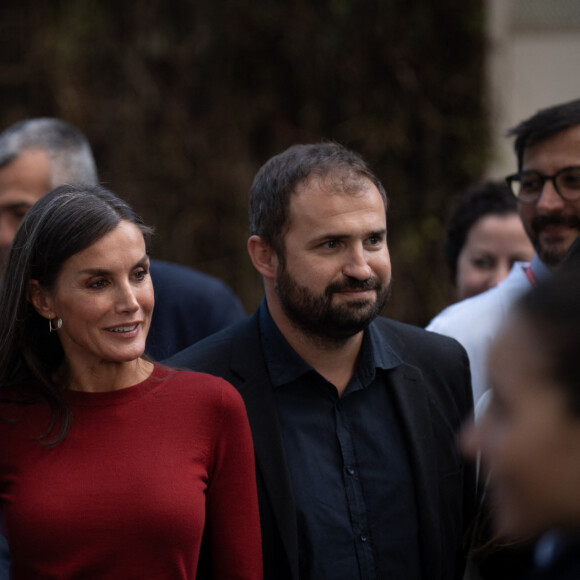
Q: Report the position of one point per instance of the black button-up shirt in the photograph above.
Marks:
(351, 478)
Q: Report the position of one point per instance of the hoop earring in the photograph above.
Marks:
(54, 328)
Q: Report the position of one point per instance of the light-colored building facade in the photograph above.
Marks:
(533, 62)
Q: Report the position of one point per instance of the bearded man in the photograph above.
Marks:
(353, 416)
(547, 190)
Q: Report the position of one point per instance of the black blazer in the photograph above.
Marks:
(433, 396)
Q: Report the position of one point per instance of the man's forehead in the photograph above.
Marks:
(327, 195)
(33, 154)
(317, 201)
(340, 181)
(28, 175)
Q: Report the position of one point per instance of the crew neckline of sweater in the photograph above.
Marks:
(120, 396)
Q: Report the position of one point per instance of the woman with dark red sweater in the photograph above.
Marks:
(111, 466)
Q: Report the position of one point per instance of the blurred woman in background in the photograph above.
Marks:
(485, 237)
(110, 466)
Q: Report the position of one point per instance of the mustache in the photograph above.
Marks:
(542, 221)
(353, 284)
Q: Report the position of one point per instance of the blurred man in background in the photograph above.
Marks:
(547, 189)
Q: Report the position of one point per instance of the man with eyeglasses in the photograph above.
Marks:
(547, 187)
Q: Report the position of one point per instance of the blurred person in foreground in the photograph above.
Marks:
(111, 466)
(529, 435)
(547, 189)
(485, 238)
(37, 155)
(354, 416)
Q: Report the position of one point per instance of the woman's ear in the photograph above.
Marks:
(263, 257)
(40, 299)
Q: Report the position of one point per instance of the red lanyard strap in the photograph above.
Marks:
(530, 276)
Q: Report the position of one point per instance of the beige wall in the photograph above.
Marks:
(533, 62)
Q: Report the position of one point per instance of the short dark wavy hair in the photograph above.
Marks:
(281, 175)
(543, 125)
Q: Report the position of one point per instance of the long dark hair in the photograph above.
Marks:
(62, 223)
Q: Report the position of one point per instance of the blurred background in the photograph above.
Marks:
(183, 101)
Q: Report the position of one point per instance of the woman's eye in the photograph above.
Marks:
(483, 263)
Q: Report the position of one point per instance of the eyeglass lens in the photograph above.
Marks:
(566, 182)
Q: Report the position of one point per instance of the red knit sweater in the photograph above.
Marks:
(127, 493)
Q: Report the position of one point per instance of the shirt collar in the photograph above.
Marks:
(283, 362)
(285, 365)
(541, 272)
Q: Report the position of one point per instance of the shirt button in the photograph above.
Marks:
(350, 470)
(363, 538)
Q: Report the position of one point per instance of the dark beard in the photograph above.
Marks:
(551, 254)
(318, 318)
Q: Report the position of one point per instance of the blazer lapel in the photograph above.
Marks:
(413, 407)
(256, 389)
